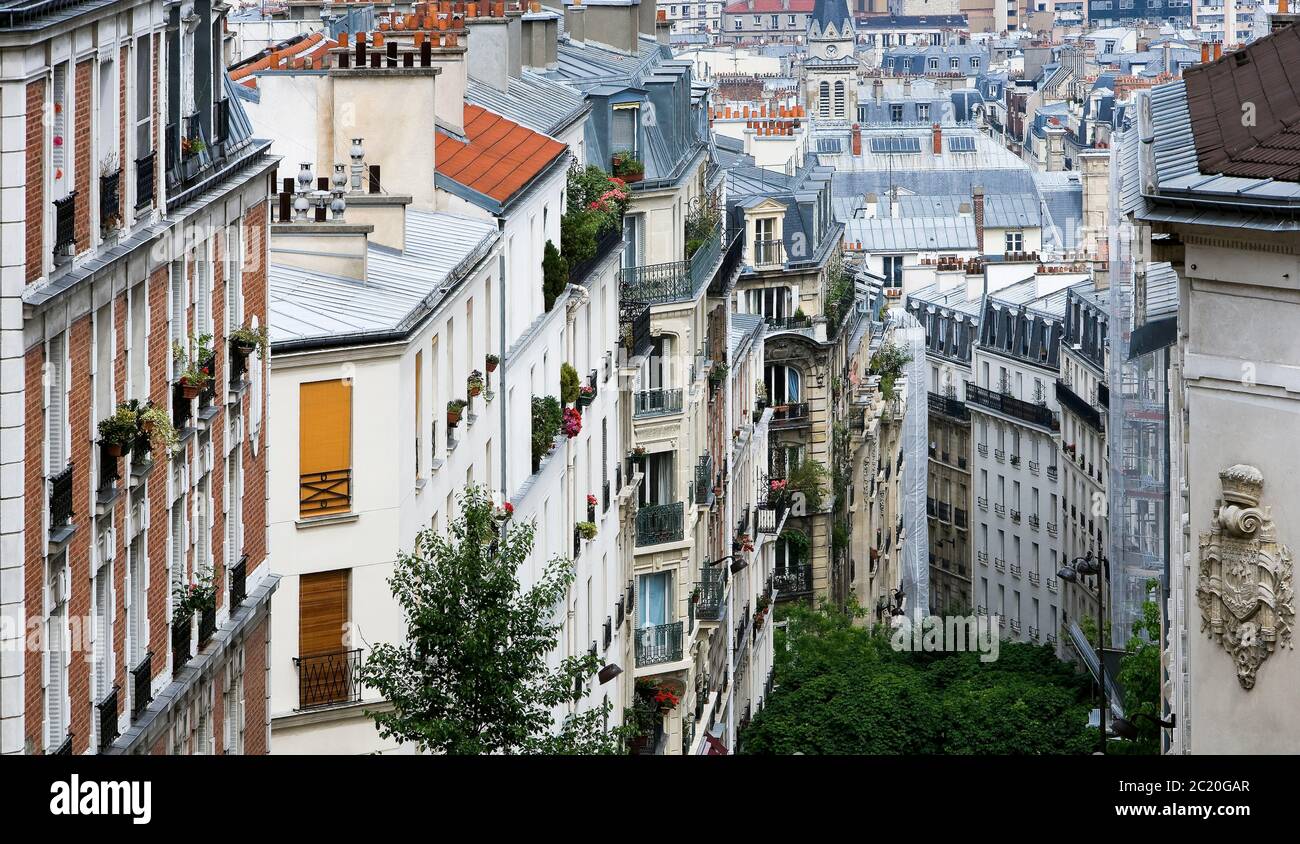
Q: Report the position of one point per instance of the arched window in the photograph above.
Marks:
(824, 99)
(784, 384)
(839, 99)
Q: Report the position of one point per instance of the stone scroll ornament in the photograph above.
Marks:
(1244, 588)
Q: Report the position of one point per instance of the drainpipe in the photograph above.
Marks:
(501, 382)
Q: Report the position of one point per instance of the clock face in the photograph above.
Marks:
(831, 49)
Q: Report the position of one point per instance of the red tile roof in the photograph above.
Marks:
(314, 47)
(742, 7)
(500, 158)
(1266, 74)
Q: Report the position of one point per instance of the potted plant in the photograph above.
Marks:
(587, 530)
(454, 409)
(586, 395)
(192, 146)
(117, 433)
(758, 620)
(695, 595)
(157, 426)
(195, 372)
(568, 383)
(638, 455)
(718, 374)
(245, 339)
(491, 362)
(196, 597)
(744, 543)
(504, 512)
(666, 700)
(572, 424)
(591, 507)
(628, 167)
(760, 394)
(474, 383)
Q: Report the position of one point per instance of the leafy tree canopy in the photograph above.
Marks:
(843, 689)
(473, 675)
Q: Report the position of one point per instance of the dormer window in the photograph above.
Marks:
(933, 63)
(623, 134)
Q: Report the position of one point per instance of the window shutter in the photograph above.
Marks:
(202, 294)
(234, 275)
(138, 601)
(176, 324)
(325, 447)
(232, 512)
(56, 403)
(623, 131)
(178, 543)
(101, 631)
(54, 685)
(322, 612)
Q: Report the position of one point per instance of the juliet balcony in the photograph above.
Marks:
(659, 523)
(658, 644)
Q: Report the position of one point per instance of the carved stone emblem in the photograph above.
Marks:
(1244, 589)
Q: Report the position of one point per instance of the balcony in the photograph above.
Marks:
(141, 693)
(1079, 406)
(1033, 467)
(790, 323)
(182, 628)
(329, 679)
(1053, 584)
(789, 415)
(606, 241)
(1034, 522)
(952, 408)
(983, 449)
(634, 327)
(659, 523)
(1015, 516)
(238, 582)
(999, 455)
(982, 557)
(703, 484)
(659, 644)
(107, 720)
(1016, 570)
(1015, 625)
(110, 192)
(768, 519)
(1035, 578)
(65, 236)
(1000, 510)
(1051, 473)
(657, 402)
(999, 564)
(732, 253)
(323, 493)
(713, 589)
(673, 281)
(793, 580)
(768, 254)
(61, 502)
(1028, 412)
(1051, 529)
(982, 502)
(181, 409)
(144, 180)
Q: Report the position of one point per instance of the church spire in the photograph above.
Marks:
(830, 19)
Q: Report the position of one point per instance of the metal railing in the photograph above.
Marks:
(713, 590)
(768, 253)
(658, 644)
(141, 680)
(605, 243)
(703, 485)
(659, 523)
(238, 582)
(673, 280)
(947, 406)
(107, 720)
(959, 517)
(657, 402)
(207, 624)
(144, 180)
(634, 327)
(790, 323)
(182, 630)
(1034, 414)
(65, 215)
(793, 580)
(789, 414)
(327, 679)
(768, 518)
(325, 492)
(110, 192)
(61, 499)
(1079, 406)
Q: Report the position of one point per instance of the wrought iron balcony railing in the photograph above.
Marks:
(788, 415)
(1079, 406)
(65, 215)
(110, 191)
(605, 244)
(61, 499)
(634, 327)
(658, 402)
(768, 253)
(703, 485)
(238, 582)
(793, 580)
(322, 493)
(948, 406)
(141, 691)
(107, 720)
(659, 523)
(659, 644)
(329, 679)
(673, 281)
(1034, 414)
(713, 590)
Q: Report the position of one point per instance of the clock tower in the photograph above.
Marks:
(830, 77)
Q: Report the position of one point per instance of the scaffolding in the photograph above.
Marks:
(915, 556)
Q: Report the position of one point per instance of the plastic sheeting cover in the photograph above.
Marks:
(915, 568)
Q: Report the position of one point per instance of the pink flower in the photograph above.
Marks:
(591, 500)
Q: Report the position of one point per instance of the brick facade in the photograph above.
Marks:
(82, 166)
(35, 167)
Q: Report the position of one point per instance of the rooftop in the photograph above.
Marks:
(912, 234)
(440, 248)
(1266, 75)
(498, 157)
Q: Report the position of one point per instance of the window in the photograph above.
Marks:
(773, 303)
(103, 672)
(623, 131)
(419, 414)
(895, 113)
(922, 111)
(974, 62)
(954, 63)
(1015, 241)
(824, 99)
(325, 447)
(176, 325)
(324, 672)
(839, 99)
(234, 276)
(737, 23)
(232, 704)
(143, 106)
(660, 479)
(234, 503)
(56, 410)
(203, 289)
(932, 63)
(654, 604)
(767, 245)
(137, 609)
(776, 21)
(783, 384)
(893, 271)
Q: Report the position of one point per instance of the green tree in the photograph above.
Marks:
(1139, 674)
(547, 416)
(555, 274)
(809, 477)
(472, 676)
(842, 688)
(569, 383)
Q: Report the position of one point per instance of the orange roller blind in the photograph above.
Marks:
(322, 612)
(325, 447)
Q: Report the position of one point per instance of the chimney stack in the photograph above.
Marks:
(1218, 50)
(857, 139)
(977, 200)
(936, 132)
(488, 41)
(1205, 52)
(575, 22)
(663, 27)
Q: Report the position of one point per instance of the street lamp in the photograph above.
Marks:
(739, 562)
(1071, 572)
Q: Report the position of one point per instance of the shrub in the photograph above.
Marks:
(555, 275)
(546, 424)
(569, 383)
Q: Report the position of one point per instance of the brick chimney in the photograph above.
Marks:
(977, 200)
(663, 27)
(1205, 52)
(1218, 50)
(857, 139)
(936, 136)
